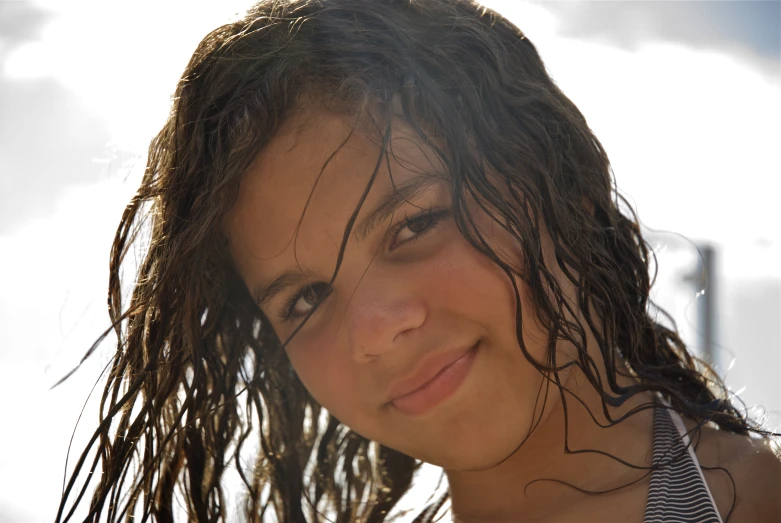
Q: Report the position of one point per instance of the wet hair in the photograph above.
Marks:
(200, 387)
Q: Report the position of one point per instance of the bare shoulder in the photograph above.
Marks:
(753, 464)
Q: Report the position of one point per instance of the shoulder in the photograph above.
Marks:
(753, 464)
(757, 475)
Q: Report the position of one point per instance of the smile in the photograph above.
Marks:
(439, 388)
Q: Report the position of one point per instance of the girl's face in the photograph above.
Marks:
(411, 295)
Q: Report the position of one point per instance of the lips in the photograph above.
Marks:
(436, 379)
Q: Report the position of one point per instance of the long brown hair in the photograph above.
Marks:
(199, 381)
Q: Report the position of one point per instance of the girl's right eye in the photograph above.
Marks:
(302, 303)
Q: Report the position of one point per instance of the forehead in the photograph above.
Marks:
(304, 185)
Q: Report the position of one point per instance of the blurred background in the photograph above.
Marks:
(684, 95)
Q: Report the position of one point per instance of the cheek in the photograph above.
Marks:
(477, 288)
(488, 291)
(325, 372)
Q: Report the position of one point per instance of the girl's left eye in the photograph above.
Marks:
(408, 230)
(418, 226)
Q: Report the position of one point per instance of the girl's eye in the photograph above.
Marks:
(415, 228)
(308, 298)
(408, 230)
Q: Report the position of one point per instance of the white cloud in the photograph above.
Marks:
(693, 135)
(52, 308)
(123, 60)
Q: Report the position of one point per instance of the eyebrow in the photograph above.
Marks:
(265, 293)
(395, 198)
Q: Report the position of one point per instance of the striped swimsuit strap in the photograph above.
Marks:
(678, 491)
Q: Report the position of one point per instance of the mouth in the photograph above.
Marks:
(439, 388)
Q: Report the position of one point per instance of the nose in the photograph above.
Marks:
(381, 318)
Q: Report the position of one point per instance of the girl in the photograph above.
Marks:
(380, 235)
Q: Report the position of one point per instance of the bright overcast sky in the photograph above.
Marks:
(693, 134)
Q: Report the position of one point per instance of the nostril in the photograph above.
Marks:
(381, 313)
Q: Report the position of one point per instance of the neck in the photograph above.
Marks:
(520, 488)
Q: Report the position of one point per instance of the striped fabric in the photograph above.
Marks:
(678, 492)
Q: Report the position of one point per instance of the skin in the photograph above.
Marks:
(400, 298)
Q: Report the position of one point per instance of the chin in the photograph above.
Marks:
(479, 427)
(477, 455)
(461, 443)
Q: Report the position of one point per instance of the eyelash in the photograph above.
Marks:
(436, 216)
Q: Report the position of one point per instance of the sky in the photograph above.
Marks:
(685, 97)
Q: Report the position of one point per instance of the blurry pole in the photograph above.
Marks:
(703, 280)
(705, 276)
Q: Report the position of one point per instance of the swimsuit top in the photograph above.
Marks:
(678, 492)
